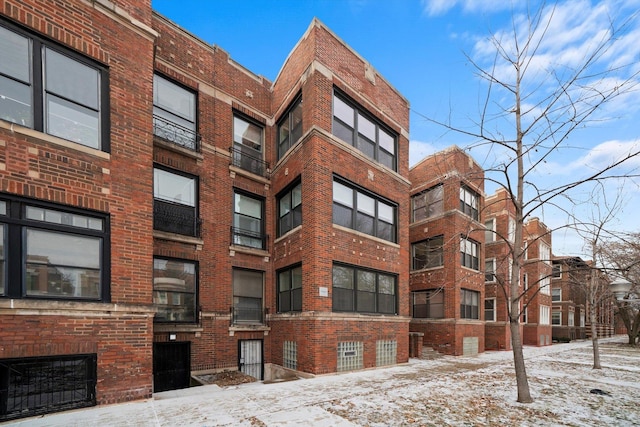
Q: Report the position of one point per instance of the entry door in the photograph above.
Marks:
(171, 365)
(250, 352)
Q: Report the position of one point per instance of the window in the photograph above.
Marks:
(556, 317)
(175, 284)
(544, 315)
(53, 90)
(557, 271)
(582, 321)
(50, 251)
(511, 231)
(469, 202)
(174, 113)
(248, 227)
(571, 319)
(290, 355)
(290, 289)
(428, 304)
(363, 212)
(290, 127)
(490, 230)
(175, 202)
(545, 284)
(469, 253)
(469, 304)
(363, 291)
(428, 203)
(290, 209)
(427, 254)
(545, 253)
(524, 316)
(490, 270)
(247, 296)
(356, 127)
(490, 309)
(247, 145)
(556, 294)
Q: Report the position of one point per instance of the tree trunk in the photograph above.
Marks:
(524, 396)
(594, 297)
(594, 337)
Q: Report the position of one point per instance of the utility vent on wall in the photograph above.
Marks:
(470, 346)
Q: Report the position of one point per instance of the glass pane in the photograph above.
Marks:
(296, 123)
(2, 263)
(284, 281)
(342, 277)
(386, 284)
(15, 102)
(366, 146)
(72, 121)
(386, 231)
(296, 195)
(56, 281)
(174, 276)
(366, 204)
(366, 302)
(174, 188)
(386, 159)
(343, 132)
(16, 52)
(246, 133)
(173, 98)
(296, 278)
(248, 206)
(386, 141)
(342, 111)
(285, 206)
(342, 194)
(247, 283)
(63, 218)
(71, 79)
(47, 247)
(364, 223)
(342, 216)
(366, 281)
(385, 212)
(3, 208)
(366, 127)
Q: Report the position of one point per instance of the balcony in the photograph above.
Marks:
(244, 159)
(175, 218)
(248, 316)
(248, 238)
(176, 134)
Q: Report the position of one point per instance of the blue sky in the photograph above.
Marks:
(421, 48)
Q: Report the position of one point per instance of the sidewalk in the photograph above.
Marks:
(477, 390)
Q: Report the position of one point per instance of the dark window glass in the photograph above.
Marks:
(469, 304)
(247, 296)
(290, 127)
(428, 253)
(353, 125)
(290, 209)
(490, 270)
(363, 291)
(290, 289)
(428, 203)
(247, 145)
(175, 285)
(490, 310)
(428, 304)
(175, 205)
(469, 254)
(469, 202)
(72, 99)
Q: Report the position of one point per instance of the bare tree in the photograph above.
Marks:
(524, 120)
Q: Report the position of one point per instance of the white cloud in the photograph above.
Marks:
(441, 7)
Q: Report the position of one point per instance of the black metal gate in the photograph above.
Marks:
(39, 385)
(250, 355)
(171, 365)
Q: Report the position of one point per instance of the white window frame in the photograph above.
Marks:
(545, 315)
(493, 311)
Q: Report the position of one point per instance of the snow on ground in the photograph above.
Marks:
(455, 391)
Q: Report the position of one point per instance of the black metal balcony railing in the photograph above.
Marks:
(248, 315)
(176, 134)
(248, 238)
(175, 218)
(249, 162)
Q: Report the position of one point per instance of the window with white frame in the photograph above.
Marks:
(490, 230)
(469, 202)
(556, 317)
(428, 203)
(556, 294)
(557, 271)
(490, 270)
(571, 319)
(469, 253)
(52, 89)
(511, 231)
(545, 284)
(490, 309)
(545, 314)
(524, 317)
(545, 253)
(357, 127)
(582, 320)
(427, 253)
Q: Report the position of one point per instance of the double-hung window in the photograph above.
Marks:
(248, 224)
(51, 251)
(427, 253)
(363, 211)
(556, 272)
(175, 204)
(469, 202)
(469, 253)
(247, 296)
(556, 317)
(428, 304)
(363, 291)
(490, 230)
(175, 286)
(290, 289)
(469, 304)
(53, 90)
(290, 209)
(290, 127)
(556, 294)
(490, 309)
(490, 270)
(428, 203)
(174, 113)
(247, 145)
(355, 126)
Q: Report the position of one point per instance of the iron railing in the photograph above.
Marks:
(176, 134)
(248, 162)
(248, 238)
(176, 218)
(248, 316)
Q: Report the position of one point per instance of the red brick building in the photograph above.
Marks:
(165, 211)
(447, 239)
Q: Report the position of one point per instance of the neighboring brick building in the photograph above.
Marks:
(165, 211)
(447, 239)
